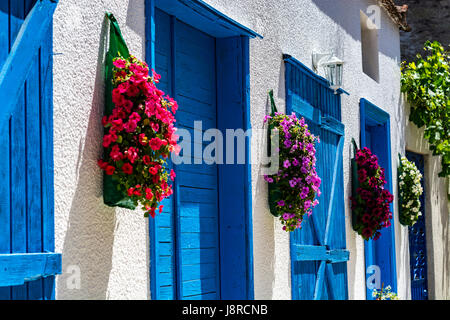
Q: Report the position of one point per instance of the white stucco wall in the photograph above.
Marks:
(111, 246)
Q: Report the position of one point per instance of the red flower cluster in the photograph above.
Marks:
(141, 135)
(371, 202)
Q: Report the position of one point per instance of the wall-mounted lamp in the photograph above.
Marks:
(333, 67)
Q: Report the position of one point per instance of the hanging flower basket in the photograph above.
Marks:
(370, 201)
(139, 134)
(409, 190)
(293, 188)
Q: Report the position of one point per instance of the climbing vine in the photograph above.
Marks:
(426, 83)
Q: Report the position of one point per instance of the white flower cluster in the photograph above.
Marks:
(410, 190)
(385, 294)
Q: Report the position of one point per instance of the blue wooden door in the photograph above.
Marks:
(417, 241)
(27, 262)
(318, 254)
(375, 135)
(185, 58)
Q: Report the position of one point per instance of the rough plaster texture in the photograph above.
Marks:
(437, 214)
(109, 246)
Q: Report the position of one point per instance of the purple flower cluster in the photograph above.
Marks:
(297, 179)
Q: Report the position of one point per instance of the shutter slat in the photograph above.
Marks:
(18, 268)
(16, 68)
(319, 253)
(336, 167)
(18, 159)
(320, 281)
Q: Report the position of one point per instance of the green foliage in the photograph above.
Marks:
(426, 83)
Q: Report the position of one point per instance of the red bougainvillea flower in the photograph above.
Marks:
(371, 203)
(140, 135)
(110, 170)
(119, 63)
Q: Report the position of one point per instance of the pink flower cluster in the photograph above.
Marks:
(297, 181)
(371, 204)
(140, 135)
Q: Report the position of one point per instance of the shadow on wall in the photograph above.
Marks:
(398, 123)
(439, 217)
(88, 244)
(264, 247)
(134, 18)
(352, 272)
(346, 15)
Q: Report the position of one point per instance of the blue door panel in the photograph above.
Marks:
(186, 56)
(26, 204)
(195, 81)
(417, 241)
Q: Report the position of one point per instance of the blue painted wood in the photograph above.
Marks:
(162, 264)
(195, 55)
(33, 179)
(417, 240)
(248, 217)
(318, 254)
(5, 216)
(180, 50)
(17, 268)
(375, 134)
(302, 107)
(235, 181)
(190, 259)
(322, 93)
(47, 165)
(16, 67)
(319, 285)
(202, 16)
(26, 204)
(18, 159)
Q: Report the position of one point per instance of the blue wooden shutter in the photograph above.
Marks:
(318, 255)
(27, 262)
